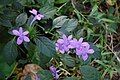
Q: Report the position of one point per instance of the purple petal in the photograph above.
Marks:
(37, 77)
(52, 68)
(15, 32)
(70, 37)
(56, 76)
(70, 46)
(62, 51)
(60, 41)
(81, 40)
(78, 52)
(19, 40)
(86, 45)
(56, 48)
(26, 39)
(33, 11)
(25, 33)
(73, 43)
(41, 15)
(90, 51)
(20, 30)
(85, 56)
(38, 17)
(64, 37)
(66, 48)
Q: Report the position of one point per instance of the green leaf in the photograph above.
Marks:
(45, 46)
(65, 24)
(10, 52)
(6, 23)
(21, 19)
(59, 21)
(2, 76)
(106, 20)
(43, 60)
(71, 78)
(69, 25)
(68, 60)
(6, 69)
(61, 1)
(46, 2)
(5, 2)
(48, 11)
(45, 75)
(94, 10)
(89, 73)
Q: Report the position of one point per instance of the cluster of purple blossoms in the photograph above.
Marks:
(54, 72)
(38, 16)
(82, 48)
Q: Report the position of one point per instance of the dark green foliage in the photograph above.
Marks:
(10, 52)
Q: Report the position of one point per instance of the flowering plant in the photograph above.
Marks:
(59, 40)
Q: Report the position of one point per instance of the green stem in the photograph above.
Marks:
(12, 70)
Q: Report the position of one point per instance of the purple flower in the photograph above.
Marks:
(83, 50)
(75, 43)
(62, 45)
(37, 77)
(37, 16)
(54, 72)
(21, 35)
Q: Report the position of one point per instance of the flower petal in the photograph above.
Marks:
(15, 32)
(19, 40)
(20, 30)
(73, 43)
(62, 51)
(90, 51)
(41, 15)
(81, 40)
(86, 45)
(78, 52)
(60, 41)
(25, 33)
(64, 37)
(33, 11)
(70, 37)
(26, 39)
(38, 17)
(85, 56)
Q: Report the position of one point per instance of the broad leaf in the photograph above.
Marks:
(48, 11)
(89, 73)
(59, 21)
(65, 25)
(45, 46)
(45, 75)
(46, 2)
(70, 25)
(10, 52)
(21, 19)
(5, 23)
(5, 2)
(68, 60)
(43, 60)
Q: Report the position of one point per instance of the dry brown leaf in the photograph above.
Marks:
(31, 70)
